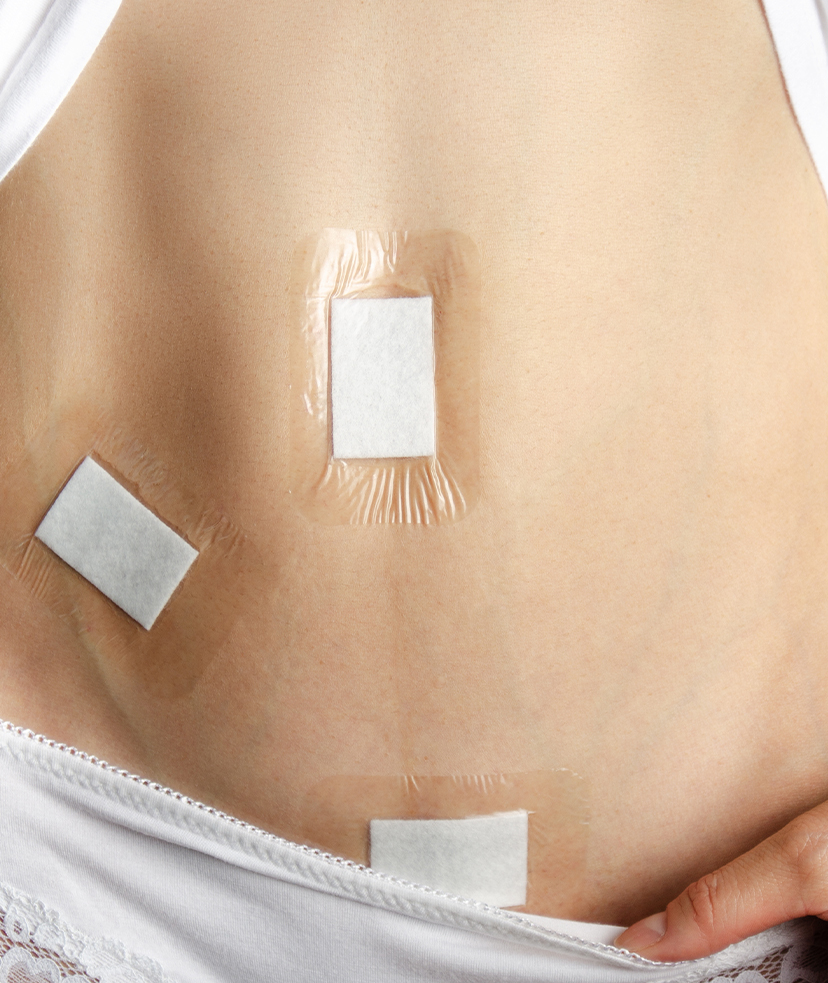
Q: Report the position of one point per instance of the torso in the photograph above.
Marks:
(638, 596)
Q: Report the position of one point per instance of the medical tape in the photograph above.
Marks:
(385, 377)
(171, 570)
(113, 541)
(516, 840)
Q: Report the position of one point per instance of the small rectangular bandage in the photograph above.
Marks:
(382, 377)
(116, 543)
(483, 857)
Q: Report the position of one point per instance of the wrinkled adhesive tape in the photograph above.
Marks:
(385, 377)
(154, 598)
(538, 870)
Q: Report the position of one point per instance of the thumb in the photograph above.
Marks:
(784, 877)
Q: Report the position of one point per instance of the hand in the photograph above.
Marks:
(784, 877)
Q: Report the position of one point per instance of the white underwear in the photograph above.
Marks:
(114, 878)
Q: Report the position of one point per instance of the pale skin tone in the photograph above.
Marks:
(638, 595)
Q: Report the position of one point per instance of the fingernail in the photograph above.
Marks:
(643, 934)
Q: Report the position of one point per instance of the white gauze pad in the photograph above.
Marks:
(382, 377)
(483, 857)
(116, 543)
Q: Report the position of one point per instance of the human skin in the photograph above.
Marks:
(638, 595)
(781, 878)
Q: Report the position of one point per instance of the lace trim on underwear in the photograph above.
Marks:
(743, 963)
(804, 962)
(36, 946)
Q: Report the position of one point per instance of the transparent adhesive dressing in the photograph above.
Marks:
(385, 377)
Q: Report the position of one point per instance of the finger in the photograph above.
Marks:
(784, 877)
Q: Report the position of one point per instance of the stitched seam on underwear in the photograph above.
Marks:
(299, 860)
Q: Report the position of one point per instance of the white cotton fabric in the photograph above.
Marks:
(799, 34)
(44, 46)
(195, 896)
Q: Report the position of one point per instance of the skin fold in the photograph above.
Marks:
(638, 595)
